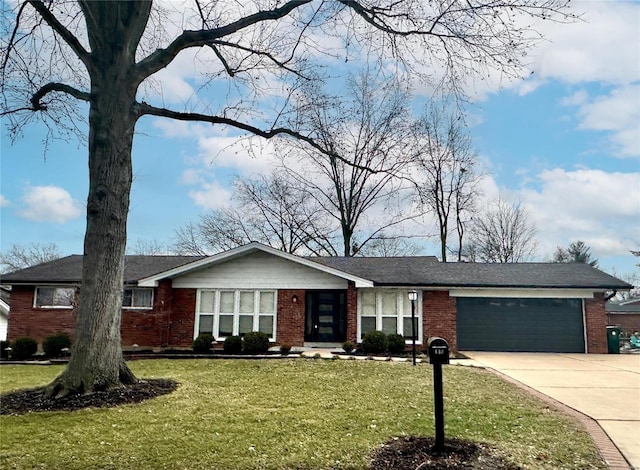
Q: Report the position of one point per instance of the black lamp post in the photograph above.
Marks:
(413, 296)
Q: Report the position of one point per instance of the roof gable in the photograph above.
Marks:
(245, 250)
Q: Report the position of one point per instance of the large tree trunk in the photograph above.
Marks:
(96, 361)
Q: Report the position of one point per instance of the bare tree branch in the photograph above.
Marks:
(53, 87)
(68, 37)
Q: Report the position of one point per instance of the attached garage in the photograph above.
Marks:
(520, 324)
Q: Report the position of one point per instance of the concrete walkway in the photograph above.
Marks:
(604, 387)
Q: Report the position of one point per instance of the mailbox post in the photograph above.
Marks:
(438, 350)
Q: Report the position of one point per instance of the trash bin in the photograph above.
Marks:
(613, 339)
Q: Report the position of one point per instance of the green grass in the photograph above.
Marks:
(292, 414)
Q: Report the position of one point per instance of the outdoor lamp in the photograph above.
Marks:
(413, 296)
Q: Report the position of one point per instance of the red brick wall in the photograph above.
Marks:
(596, 319)
(290, 321)
(149, 328)
(352, 313)
(38, 323)
(169, 323)
(628, 322)
(439, 317)
(182, 318)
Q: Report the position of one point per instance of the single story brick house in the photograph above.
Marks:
(170, 300)
(625, 314)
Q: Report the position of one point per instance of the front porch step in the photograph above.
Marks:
(322, 345)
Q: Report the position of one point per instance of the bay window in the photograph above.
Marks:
(225, 312)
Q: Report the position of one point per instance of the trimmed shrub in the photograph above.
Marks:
(255, 342)
(396, 343)
(202, 344)
(3, 346)
(348, 346)
(23, 348)
(232, 345)
(374, 342)
(285, 349)
(53, 345)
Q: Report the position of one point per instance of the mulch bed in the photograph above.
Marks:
(417, 453)
(34, 400)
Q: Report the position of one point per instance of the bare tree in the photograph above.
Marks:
(502, 234)
(146, 247)
(22, 256)
(270, 210)
(104, 54)
(446, 179)
(368, 129)
(576, 252)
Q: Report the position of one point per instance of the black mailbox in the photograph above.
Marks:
(438, 350)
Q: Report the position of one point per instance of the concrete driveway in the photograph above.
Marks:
(605, 387)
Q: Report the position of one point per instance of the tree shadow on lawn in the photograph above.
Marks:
(410, 453)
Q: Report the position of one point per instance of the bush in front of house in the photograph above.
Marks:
(375, 342)
(396, 343)
(285, 349)
(348, 346)
(232, 345)
(202, 344)
(53, 345)
(4, 353)
(23, 348)
(255, 342)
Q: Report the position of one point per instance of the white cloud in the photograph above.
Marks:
(602, 209)
(4, 202)
(604, 47)
(211, 195)
(618, 113)
(49, 204)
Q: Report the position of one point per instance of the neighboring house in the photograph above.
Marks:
(4, 312)
(625, 314)
(170, 300)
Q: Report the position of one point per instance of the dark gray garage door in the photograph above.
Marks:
(534, 325)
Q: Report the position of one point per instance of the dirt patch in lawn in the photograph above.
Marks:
(35, 399)
(417, 453)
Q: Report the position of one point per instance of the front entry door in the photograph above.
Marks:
(325, 316)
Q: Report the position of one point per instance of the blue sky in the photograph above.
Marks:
(565, 141)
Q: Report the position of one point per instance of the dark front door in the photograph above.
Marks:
(325, 316)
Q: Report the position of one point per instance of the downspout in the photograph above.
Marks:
(611, 296)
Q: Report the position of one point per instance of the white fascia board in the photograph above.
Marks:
(152, 281)
(539, 293)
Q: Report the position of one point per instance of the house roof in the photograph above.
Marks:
(245, 250)
(68, 270)
(628, 306)
(428, 272)
(424, 271)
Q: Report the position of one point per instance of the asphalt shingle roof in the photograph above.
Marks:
(69, 269)
(416, 271)
(427, 271)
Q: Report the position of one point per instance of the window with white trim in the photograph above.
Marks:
(137, 298)
(388, 310)
(226, 312)
(54, 297)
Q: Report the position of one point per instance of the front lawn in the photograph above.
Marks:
(290, 414)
